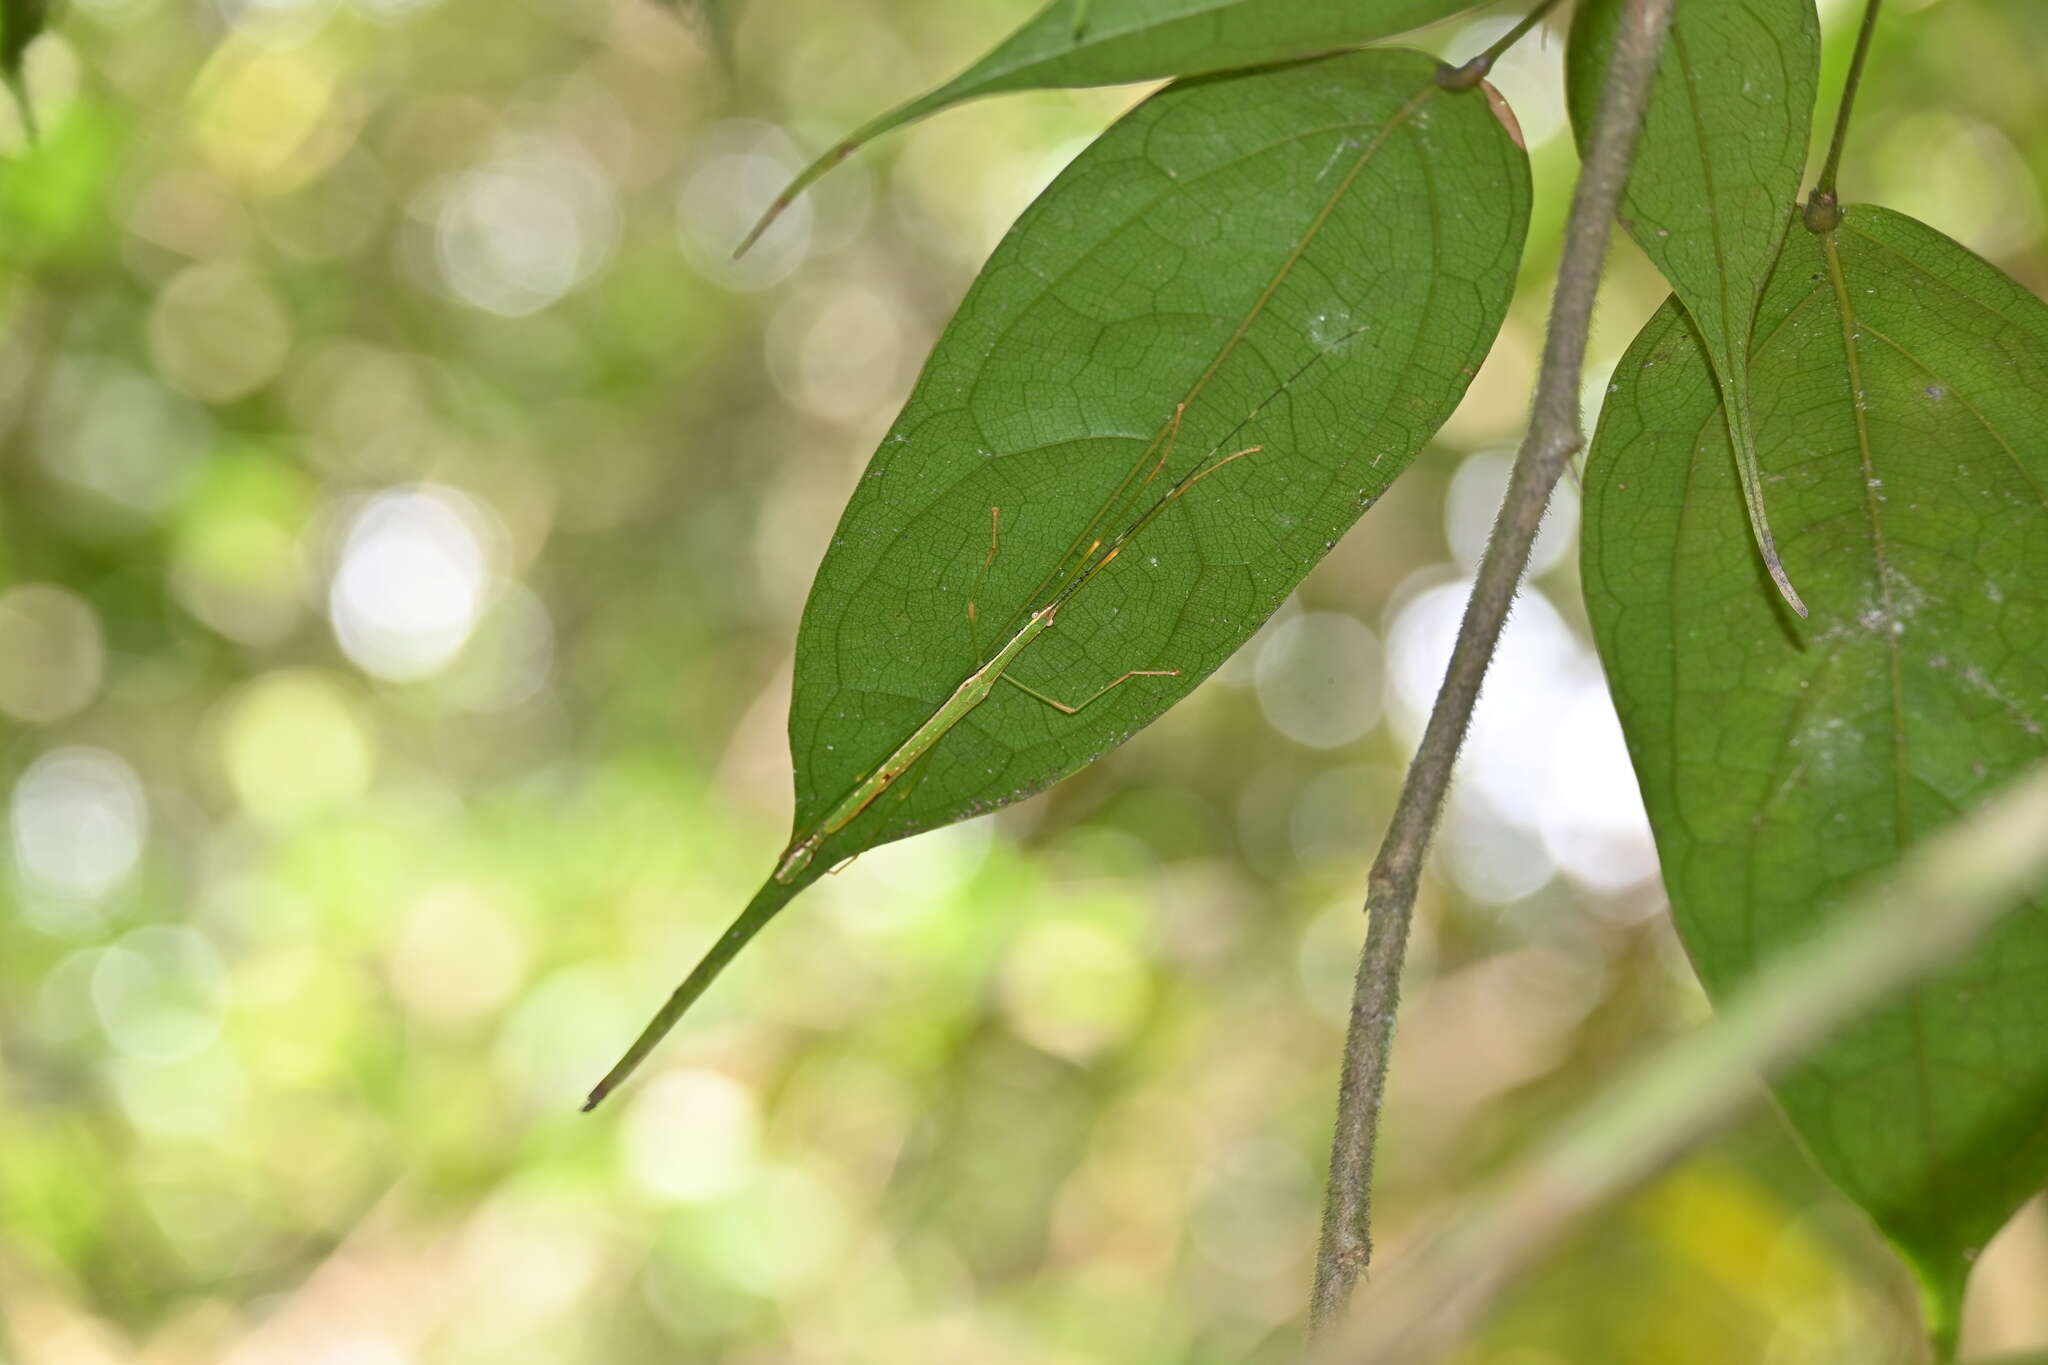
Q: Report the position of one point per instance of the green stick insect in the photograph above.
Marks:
(975, 689)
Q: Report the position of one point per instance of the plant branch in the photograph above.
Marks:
(1824, 206)
(1467, 76)
(1940, 900)
(1555, 433)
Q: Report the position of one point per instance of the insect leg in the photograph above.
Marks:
(1066, 709)
(995, 531)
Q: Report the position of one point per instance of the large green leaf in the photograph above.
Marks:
(1312, 260)
(1723, 146)
(1072, 43)
(1901, 390)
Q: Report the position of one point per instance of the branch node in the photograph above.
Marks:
(1459, 79)
(1823, 212)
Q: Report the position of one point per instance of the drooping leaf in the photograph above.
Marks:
(1311, 260)
(1901, 391)
(1074, 43)
(1723, 147)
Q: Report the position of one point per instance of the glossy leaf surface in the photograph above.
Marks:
(1305, 264)
(1312, 260)
(1711, 196)
(1072, 43)
(1901, 391)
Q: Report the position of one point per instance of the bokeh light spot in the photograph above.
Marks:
(691, 1136)
(258, 109)
(218, 333)
(527, 1255)
(295, 743)
(1473, 499)
(1320, 677)
(521, 231)
(1072, 988)
(51, 653)
(787, 1230)
(1547, 781)
(79, 822)
(743, 165)
(1594, 824)
(1965, 177)
(160, 992)
(1494, 860)
(411, 582)
(195, 1096)
(459, 956)
(508, 658)
(123, 435)
(834, 350)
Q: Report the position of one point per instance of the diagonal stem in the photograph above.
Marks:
(1555, 433)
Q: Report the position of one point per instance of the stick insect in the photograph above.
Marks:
(981, 683)
(1078, 565)
(976, 688)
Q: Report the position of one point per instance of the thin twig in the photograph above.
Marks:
(1825, 185)
(1940, 900)
(1468, 76)
(1555, 432)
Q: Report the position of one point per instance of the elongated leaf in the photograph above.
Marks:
(1723, 146)
(1901, 389)
(1310, 260)
(1073, 43)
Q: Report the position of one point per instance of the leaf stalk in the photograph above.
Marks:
(1458, 79)
(1824, 207)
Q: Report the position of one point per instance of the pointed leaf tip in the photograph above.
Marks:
(1906, 382)
(1709, 201)
(803, 180)
(1785, 588)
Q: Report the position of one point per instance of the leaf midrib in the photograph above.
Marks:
(1397, 120)
(1912, 1005)
(969, 409)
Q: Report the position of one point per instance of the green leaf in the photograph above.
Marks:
(1311, 260)
(1072, 43)
(1901, 391)
(1723, 147)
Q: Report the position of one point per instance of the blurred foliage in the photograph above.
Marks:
(405, 506)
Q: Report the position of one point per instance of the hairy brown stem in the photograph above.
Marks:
(1555, 433)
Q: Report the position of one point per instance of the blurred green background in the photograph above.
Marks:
(405, 510)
